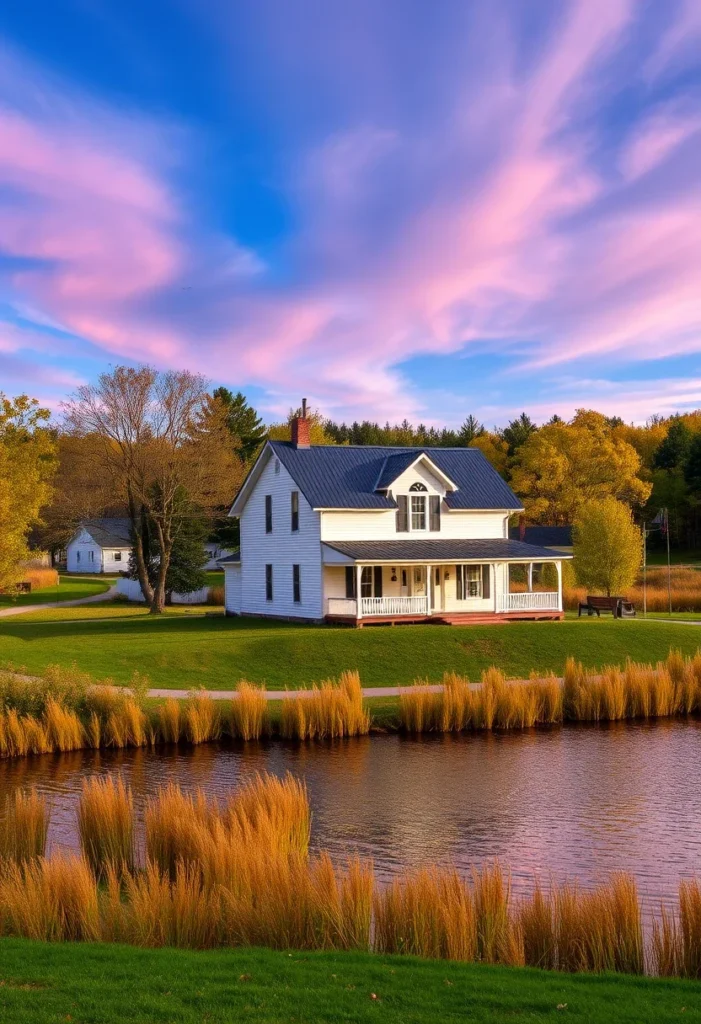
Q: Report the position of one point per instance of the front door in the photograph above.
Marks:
(418, 578)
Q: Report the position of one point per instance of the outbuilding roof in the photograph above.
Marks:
(348, 476)
(495, 550)
(553, 536)
(109, 533)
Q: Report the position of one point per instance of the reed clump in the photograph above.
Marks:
(202, 719)
(106, 825)
(24, 827)
(330, 711)
(249, 712)
(49, 900)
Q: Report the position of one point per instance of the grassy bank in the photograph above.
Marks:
(41, 984)
(185, 651)
(69, 588)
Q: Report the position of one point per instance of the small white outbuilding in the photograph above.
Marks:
(100, 545)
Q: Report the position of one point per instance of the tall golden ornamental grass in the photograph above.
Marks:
(329, 711)
(249, 712)
(670, 688)
(106, 825)
(241, 874)
(24, 827)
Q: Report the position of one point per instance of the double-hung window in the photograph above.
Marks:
(294, 511)
(473, 581)
(268, 582)
(296, 585)
(268, 513)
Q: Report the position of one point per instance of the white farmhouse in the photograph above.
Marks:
(363, 534)
(100, 545)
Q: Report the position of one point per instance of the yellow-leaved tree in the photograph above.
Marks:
(27, 464)
(317, 432)
(564, 466)
(608, 547)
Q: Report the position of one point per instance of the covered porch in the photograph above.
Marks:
(455, 589)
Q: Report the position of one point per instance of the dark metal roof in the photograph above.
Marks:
(550, 536)
(109, 533)
(345, 476)
(442, 550)
(233, 559)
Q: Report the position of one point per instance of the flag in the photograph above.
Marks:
(662, 520)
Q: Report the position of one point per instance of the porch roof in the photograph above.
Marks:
(403, 551)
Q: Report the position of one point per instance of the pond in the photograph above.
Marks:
(577, 802)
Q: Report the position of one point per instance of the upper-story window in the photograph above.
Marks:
(294, 511)
(418, 506)
(268, 513)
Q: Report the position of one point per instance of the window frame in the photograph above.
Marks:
(268, 513)
(269, 593)
(294, 511)
(296, 584)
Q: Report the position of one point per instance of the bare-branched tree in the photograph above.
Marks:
(157, 433)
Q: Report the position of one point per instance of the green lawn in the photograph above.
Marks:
(186, 650)
(69, 589)
(94, 984)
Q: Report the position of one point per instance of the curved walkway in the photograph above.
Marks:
(25, 609)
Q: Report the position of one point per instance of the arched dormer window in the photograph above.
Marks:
(418, 502)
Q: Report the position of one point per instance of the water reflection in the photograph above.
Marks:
(576, 802)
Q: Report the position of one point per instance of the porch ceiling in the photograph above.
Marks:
(422, 551)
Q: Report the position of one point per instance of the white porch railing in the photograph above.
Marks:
(394, 605)
(534, 600)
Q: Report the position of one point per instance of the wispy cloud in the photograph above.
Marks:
(476, 186)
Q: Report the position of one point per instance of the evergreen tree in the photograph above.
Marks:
(692, 466)
(470, 429)
(518, 432)
(243, 422)
(674, 450)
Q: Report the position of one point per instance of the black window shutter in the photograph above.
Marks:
(402, 515)
(458, 581)
(485, 581)
(350, 582)
(435, 518)
(378, 581)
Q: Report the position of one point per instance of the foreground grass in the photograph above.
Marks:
(41, 983)
(183, 650)
(69, 588)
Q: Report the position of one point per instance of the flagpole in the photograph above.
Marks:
(644, 569)
(669, 567)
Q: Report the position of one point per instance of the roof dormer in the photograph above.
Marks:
(397, 464)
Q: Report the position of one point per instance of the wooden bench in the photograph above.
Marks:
(618, 606)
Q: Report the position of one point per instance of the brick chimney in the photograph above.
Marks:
(300, 428)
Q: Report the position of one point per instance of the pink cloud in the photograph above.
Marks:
(507, 216)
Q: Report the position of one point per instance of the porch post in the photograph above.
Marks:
(428, 589)
(530, 577)
(559, 585)
(358, 591)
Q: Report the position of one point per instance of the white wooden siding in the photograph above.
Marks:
(383, 526)
(93, 558)
(232, 589)
(282, 549)
(353, 525)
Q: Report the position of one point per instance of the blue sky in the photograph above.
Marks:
(393, 208)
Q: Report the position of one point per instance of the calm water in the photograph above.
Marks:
(575, 802)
